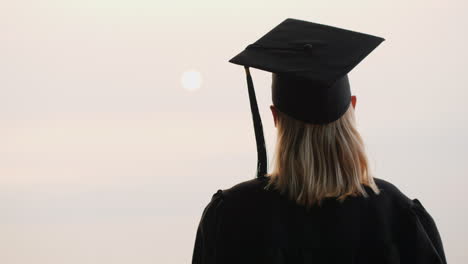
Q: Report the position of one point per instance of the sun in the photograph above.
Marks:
(191, 80)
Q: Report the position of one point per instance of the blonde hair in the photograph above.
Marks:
(312, 161)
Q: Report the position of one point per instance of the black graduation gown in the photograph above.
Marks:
(247, 224)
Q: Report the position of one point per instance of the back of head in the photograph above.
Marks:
(312, 161)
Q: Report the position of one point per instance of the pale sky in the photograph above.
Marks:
(120, 119)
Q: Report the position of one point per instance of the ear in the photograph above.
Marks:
(353, 101)
(274, 113)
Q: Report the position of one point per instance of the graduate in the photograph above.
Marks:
(320, 203)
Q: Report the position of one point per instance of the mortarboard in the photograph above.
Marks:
(310, 63)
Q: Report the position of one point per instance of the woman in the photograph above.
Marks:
(320, 203)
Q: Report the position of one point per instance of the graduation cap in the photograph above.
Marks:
(310, 63)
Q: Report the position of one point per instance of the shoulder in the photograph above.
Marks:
(388, 186)
(252, 186)
(412, 208)
(242, 196)
(246, 194)
(214, 205)
(244, 190)
(392, 193)
(236, 206)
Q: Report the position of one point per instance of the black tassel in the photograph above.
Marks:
(257, 122)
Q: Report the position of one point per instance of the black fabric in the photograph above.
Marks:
(294, 97)
(248, 224)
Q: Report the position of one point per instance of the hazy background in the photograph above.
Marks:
(108, 154)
